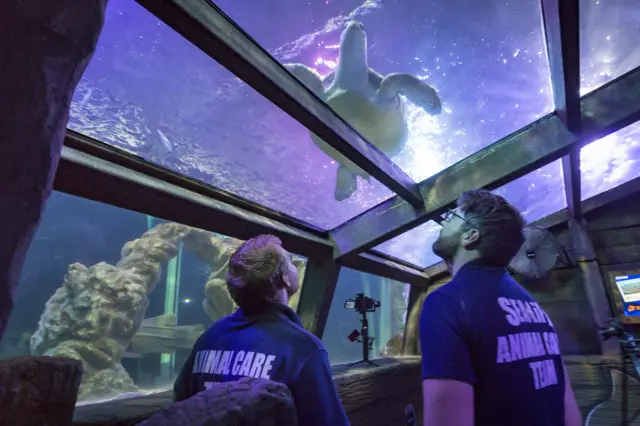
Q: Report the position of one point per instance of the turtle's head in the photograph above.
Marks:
(353, 45)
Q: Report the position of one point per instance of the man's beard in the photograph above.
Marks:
(446, 247)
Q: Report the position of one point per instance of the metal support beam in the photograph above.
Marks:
(99, 172)
(373, 263)
(562, 31)
(594, 285)
(410, 338)
(604, 111)
(561, 20)
(94, 178)
(437, 271)
(572, 183)
(318, 286)
(206, 26)
(594, 203)
(122, 158)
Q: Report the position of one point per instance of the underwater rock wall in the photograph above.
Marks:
(412, 338)
(45, 47)
(398, 309)
(95, 315)
(98, 310)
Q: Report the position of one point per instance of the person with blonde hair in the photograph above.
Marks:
(264, 338)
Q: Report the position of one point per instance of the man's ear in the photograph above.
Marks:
(470, 239)
(285, 279)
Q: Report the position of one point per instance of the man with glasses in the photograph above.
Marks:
(490, 354)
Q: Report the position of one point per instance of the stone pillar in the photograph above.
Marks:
(594, 284)
(45, 47)
(38, 390)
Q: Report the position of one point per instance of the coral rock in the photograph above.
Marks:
(38, 390)
(247, 401)
(98, 310)
(393, 346)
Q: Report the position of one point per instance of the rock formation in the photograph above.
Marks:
(95, 315)
(98, 310)
(393, 346)
(45, 47)
(412, 339)
(398, 305)
(247, 401)
(38, 390)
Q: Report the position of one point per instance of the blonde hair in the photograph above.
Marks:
(255, 271)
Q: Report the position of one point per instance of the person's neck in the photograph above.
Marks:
(282, 297)
(460, 260)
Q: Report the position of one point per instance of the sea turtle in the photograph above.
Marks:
(368, 101)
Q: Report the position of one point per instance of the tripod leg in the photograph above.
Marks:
(364, 361)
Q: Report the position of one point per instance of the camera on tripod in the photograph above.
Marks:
(362, 304)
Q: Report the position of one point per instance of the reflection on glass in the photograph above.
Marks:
(609, 34)
(488, 63)
(610, 161)
(414, 246)
(149, 91)
(537, 194)
(93, 271)
(386, 324)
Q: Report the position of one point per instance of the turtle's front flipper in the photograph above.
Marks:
(346, 184)
(308, 76)
(413, 88)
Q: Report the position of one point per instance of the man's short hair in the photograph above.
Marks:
(255, 271)
(499, 223)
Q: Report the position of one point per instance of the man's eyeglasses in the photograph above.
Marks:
(446, 217)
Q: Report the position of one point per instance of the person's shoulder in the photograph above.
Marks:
(218, 327)
(512, 285)
(223, 322)
(304, 338)
(448, 291)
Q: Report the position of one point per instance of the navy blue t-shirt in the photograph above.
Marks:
(272, 345)
(484, 329)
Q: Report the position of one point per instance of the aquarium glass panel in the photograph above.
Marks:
(386, 324)
(609, 34)
(537, 194)
(610, 161)
(91, 263)
(485, 58)
(149, 91)
(414, 246)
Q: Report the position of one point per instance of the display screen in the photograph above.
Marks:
(629, 287)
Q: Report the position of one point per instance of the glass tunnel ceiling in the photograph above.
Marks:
(152, 93)
(605, 164)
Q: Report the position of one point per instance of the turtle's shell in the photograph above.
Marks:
(386, 129)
